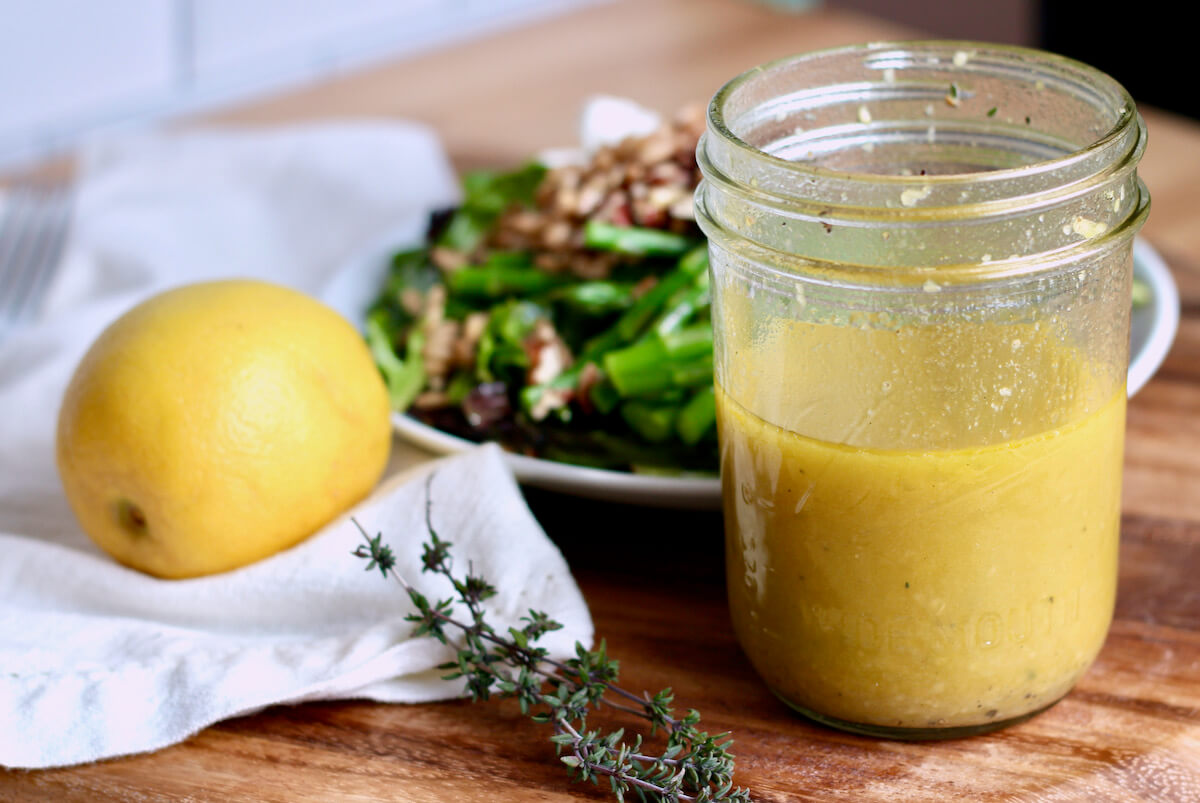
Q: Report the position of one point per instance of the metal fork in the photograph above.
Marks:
(33, 228)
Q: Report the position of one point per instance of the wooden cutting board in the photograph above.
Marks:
(1129, 731)
(653, 579)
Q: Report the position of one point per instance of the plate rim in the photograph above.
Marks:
(597, 483)
(1165, 316)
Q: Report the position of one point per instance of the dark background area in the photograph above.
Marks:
(1142, 45)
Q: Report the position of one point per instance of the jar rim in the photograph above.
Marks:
(1127, 115)
(1058, 189)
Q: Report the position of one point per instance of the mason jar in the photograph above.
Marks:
(921, 263)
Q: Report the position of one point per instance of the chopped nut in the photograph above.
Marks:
(550, 400)
(684, 208)
(474, 325)
(664, 197)
(647, 213)
(551, 262)
(635, 172)
(448, 259)
(589, 200)
(616, 210)
(593, 266)
(557, 234)
(412, 301)
(655, 148)
(525, 221)
(512, 240)
(431, 400)
(669, 173)
(566, 200)
(438, 352)
(468, 338)
(435, 306)
(604, 158)
(548, 353)
(643, 181)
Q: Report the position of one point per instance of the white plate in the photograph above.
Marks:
(1152, 328)
(355, 285)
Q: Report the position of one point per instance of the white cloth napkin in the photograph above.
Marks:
(97, 660)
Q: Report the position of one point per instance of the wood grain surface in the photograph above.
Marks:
(653, 578)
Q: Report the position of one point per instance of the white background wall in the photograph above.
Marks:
(70, 67)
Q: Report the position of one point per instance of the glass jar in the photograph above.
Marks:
(921, 263)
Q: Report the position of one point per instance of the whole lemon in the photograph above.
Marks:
(218, 423)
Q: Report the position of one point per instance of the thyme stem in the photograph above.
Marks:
(695, 767)
(605, 770)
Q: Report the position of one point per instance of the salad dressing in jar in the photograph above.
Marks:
(921, 260)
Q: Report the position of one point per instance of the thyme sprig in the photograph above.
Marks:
(693, 766)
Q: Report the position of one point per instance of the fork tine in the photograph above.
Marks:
(31, 241)
(14, 242)
(51, 232)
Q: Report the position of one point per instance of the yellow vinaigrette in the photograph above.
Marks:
(921, 589)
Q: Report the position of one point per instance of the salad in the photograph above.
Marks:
(563, 312)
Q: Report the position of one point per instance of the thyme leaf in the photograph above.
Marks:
(694, 765)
